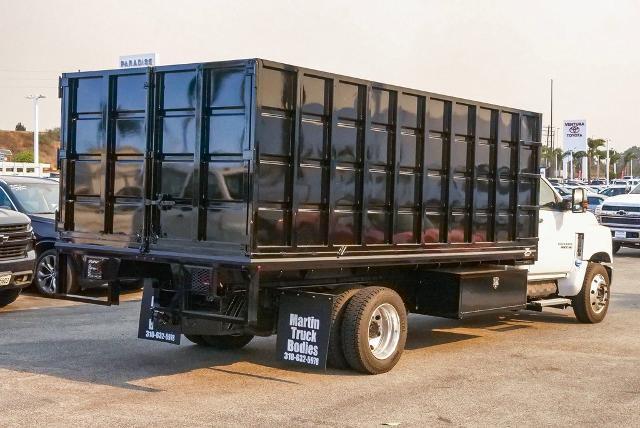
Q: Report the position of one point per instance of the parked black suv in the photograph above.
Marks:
(17, 255)
(38, 199)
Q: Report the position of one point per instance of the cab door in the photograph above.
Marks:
(556, 236)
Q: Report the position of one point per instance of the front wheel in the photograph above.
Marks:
(8, 296)
(374, 330)
(591, 304)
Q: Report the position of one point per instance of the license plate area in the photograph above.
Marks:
(5, 280)
(620, 234)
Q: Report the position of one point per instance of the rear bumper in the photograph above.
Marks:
(21, 271)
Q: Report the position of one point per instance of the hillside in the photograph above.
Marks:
(20, 141)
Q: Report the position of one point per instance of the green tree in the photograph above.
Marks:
(547, 155)
(577, 161)
(593, 152)
(557, 160)
(627, 157)
(25, 156)
(614, 158)
(20, 127)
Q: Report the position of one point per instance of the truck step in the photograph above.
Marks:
(557, 302)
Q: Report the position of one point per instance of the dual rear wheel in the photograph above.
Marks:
(369, 330)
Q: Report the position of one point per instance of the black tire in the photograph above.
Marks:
(8, 296)
(196, 338)
(616, 247)
(335, 355)
(73, 284)
(44, 277)
(585, 310)
(227, 342)
(356, 326)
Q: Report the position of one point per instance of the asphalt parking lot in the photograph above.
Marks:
(70, 364)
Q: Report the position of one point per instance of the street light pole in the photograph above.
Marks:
(36, 132)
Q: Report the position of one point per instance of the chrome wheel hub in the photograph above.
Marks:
(598, 294)
(46, 274)
(384, 331)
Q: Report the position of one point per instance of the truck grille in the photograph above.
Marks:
(620, 208)
(14, 240)
(609, 220)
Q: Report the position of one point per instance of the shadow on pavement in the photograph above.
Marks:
(85, 343)
(426, 331)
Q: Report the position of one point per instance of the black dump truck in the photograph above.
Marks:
(251, 197)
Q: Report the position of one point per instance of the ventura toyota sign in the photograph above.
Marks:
(140, 60)
(575, 135)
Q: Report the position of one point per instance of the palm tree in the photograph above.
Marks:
(557, 157)
(577, 160)
(601, 156)
(593, 152)
(577, 157)
(627, 158)
(614, 158)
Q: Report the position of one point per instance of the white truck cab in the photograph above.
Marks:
(574, 257)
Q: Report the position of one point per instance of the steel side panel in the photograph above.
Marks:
(313, 186)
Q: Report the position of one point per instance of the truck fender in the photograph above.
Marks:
(572, 284)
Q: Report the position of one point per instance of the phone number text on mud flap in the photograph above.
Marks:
(290, 356)
(160, 335)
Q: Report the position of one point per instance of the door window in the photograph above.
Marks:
(5, 202)
(548, 197)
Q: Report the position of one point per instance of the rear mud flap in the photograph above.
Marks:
(154, 326)
(304, 325)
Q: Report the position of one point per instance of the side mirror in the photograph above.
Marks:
(579, 202)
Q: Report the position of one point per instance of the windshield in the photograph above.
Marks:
(37, 198)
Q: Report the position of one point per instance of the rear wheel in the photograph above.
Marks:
(8, 296)
(227, 342)
(591, 304)
(374, 330)
(335, 355)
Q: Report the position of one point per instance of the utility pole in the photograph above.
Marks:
(36, 131)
